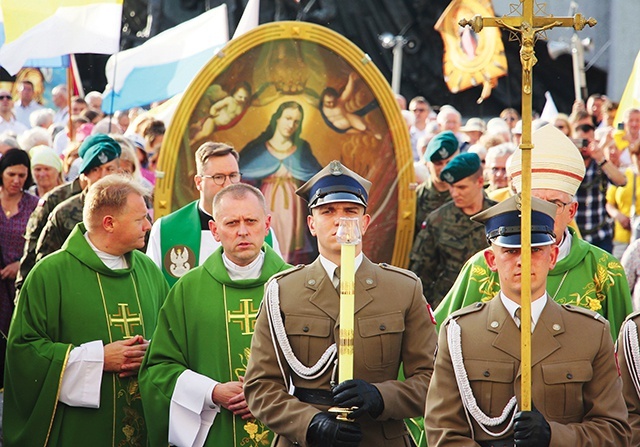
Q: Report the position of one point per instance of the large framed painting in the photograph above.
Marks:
(291, 97)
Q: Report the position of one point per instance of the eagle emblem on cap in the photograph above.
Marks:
(336, 168)
(447, 177)
(443, 153)
(103, 157)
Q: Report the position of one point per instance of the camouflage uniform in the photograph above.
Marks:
(38, 220)
(61, 222)
(449, 238)
(428, 199)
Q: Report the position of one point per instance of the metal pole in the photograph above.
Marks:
(579, 77)
(396, 73)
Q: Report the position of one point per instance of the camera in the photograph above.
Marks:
(580, 142)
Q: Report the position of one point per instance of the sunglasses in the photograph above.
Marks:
(5, 97)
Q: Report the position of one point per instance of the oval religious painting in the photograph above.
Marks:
(291, 97)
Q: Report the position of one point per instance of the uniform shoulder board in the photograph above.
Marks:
(286, 272)
(585, 312)
(393, 268)
(472, 308)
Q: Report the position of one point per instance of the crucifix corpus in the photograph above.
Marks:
(525, 27)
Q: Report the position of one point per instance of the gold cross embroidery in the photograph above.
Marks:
(246, 316)
(125, 320)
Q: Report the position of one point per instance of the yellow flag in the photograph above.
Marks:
(631, 95)
(470, 59)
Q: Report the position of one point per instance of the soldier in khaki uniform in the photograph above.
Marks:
(292, 368)
(449, 237)
(629, 358)
(434, 192)
(100, 157)
(576, 393)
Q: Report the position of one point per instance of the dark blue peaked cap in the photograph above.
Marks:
(335, 183)
(503, 222)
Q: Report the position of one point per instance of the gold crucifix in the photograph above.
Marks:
(526, 27)
(125, 320)
(246, 316)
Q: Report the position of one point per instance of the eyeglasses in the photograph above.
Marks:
(219, 179)
(496, 170)
(560, 204)
(5, 97)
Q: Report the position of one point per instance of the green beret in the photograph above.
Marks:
(460, 167)
(97, 150)
(441, 146)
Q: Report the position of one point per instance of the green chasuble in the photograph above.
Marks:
(588, 277)
(68, 299)
(206, 326)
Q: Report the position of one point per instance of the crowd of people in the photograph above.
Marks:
(192, 330)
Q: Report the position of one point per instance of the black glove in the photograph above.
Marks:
(531, 429)
(326, 431)
(358, 393)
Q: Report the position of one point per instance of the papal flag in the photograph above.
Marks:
(631, 95)
(471, 59)
(50, 28)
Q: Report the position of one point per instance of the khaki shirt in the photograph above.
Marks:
(575, 380)
(392, 327)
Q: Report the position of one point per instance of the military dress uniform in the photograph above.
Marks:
(576, 390)
(575, 382)
(387, 332)
(293, 363)
(629, 359)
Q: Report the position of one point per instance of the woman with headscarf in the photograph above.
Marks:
(46, 168)
(279, 161)
(16, 205)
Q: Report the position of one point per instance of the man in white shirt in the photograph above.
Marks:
(8, 121)
(26, 104)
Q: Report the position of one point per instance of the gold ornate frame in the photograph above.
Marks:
(396, 130)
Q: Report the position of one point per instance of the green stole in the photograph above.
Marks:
(181, 248)
(238, 304)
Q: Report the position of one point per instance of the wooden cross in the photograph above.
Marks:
(526, 27)
(125, 320)
(246, 316)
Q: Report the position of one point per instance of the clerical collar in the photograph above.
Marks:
(251, 271)
(565, 246)
(112, 262)
(537, 305)
(330, 267)
(204, 217)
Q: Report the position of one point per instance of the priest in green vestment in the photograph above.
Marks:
(191, 378)
(80, 330)
(585, 275)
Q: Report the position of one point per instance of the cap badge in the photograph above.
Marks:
(335, 168)
(443, 153)
(447, 177)
(102, 157)
(518, 199)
